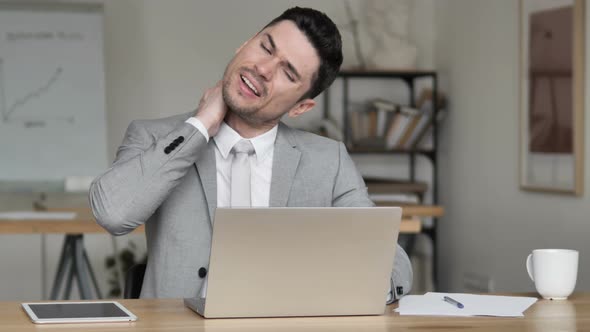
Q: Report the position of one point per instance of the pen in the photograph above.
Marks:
(453, 302)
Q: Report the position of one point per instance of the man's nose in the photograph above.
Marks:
(266, 68)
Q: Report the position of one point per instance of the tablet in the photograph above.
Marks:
(78, 312)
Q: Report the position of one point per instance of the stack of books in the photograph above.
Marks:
(395, 192)
(387, 125)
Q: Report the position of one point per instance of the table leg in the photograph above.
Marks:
(118, 265)
(64, 259)
(81, 272)
(71, 273)
(92, 276)
(74, 261)
(43, 268)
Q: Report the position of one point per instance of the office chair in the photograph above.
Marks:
(133, 281)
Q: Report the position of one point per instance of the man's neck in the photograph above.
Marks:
(245, 129)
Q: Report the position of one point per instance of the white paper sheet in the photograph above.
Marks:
(25, 215)
(432, 304)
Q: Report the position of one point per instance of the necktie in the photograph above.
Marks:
(240, 187)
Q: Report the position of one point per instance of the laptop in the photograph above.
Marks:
(279, 262)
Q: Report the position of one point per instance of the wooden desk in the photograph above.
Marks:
(78, 225)
(171, 315)
(85, 223)
(421, 210)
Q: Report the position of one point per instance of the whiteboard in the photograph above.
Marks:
(52, 95)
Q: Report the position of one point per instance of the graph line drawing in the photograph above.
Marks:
(21, 102)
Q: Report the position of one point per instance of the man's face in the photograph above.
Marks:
(270, 73)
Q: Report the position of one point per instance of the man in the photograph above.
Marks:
(172, 173)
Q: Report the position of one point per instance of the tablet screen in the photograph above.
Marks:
(77, 310)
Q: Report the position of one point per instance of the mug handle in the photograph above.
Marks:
(529, 266)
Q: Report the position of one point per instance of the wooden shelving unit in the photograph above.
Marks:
(415, 212)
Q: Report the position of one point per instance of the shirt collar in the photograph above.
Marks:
(227, 137)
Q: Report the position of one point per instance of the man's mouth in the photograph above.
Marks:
(250, 85)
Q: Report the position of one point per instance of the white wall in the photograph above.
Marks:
(160, 56)
(491, 225)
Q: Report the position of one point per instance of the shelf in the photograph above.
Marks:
(381, 151)
(418, 210)
(410, 77)
(378, 186)
(387, 73)
(423, 210)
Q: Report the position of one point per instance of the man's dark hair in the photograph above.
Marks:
(325, 38)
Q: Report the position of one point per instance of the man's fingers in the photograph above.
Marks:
(207, 93)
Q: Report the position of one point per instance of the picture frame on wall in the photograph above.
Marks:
(551, 80)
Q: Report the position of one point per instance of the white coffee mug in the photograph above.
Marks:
(554, 272)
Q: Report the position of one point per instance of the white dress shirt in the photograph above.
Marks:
(260, 163)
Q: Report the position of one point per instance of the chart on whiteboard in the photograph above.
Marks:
(52, 99)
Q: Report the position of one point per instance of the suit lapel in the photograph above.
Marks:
(285, 161)
(206, 168)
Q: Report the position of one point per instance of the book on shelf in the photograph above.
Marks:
(420, 128)
(379, 186)
(369, 125)
(422, 136)
(395, 191)
(356, 125)
(406, 117)
(372, 125)
(386, 114)
(392, 126)
(394, 199)
(369, 121)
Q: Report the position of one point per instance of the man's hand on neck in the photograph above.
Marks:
(212, 109)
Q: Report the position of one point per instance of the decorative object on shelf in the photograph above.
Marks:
(354, 29)
(552, 96)
(379, 35)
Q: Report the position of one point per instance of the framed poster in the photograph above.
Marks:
(551, 83)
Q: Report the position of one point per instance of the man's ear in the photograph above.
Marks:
(301, 107)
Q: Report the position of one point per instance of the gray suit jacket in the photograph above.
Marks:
(173, 191)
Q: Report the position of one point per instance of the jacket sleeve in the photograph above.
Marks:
(145, 171)
(350, 190)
